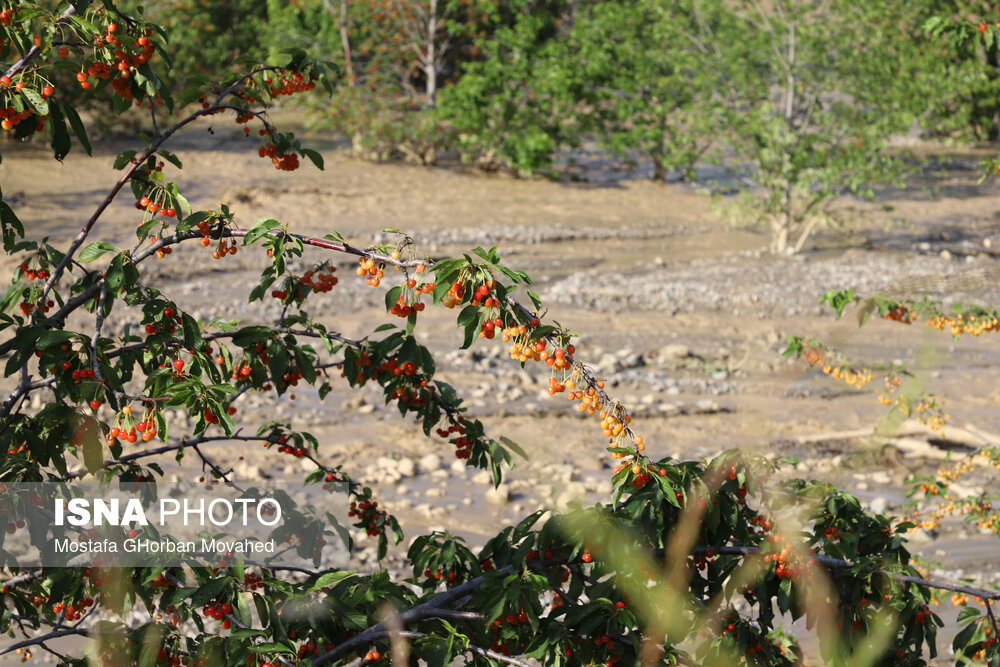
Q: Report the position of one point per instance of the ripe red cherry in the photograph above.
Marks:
(81, 77)
(4, 81)
(63, 52)
(94, 404)
(179, 364)
(47, 90)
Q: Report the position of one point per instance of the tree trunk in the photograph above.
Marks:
(430, 64)
(781, 228)
(659, 169)
(345, 42)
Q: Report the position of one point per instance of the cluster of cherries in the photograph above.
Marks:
(219, 612)
(127, 429)
(34, 274)
(857, 378)
(224, 248)
(74, 612)
(407, 303)
(147, 204)
(455, 295)
(463, 446)
(27, 307)
(369, 516)
(297, 452)
(901, 313)
(371, 272)
(281, 161)
(290, 83)
(122, 63)
(319, 280)
(168, 324)
(10, 116)
(975, 325)
(419, 392)
(788, 560)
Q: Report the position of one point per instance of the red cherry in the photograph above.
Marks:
(179, 364)
(94, 404)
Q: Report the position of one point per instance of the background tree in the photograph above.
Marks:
(514, 105)
(649, 88)
(814, 93)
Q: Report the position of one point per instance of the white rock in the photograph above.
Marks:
(430, 462)
(407, 467)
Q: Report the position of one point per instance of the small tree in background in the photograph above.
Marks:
(813, 95)
(649, 83)
(512, 106)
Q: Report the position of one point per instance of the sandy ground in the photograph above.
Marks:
(683, 313)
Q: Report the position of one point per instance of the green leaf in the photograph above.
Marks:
(250, 335)
(60, 135)
(88, 436)
(92, 251)
(260, 229)
(329, 579)
(35, 101)
(392, 296)
(123, 158)
(313, 156)
(535, 299)
(513, 446)
(78, 129)
(170, 157)
(271, 647)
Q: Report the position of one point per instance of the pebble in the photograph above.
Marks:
(407, 467)
(430, 463)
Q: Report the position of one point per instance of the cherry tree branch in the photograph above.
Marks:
(130, 171)
(36, 641)
(35, 50)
